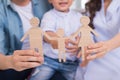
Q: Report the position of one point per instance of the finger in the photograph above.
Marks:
(30, 64)
(96, 50)
(71, 51)
(37, 54)
(97, 55)
(27, 65)
(28, 58)
(95, 45)
(71, 47)
(24, 52)
(73, 42)
(34, 59)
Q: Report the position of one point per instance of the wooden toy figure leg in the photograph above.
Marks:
(41, 51)
(60, 56)
(64, 57)
(83, 53)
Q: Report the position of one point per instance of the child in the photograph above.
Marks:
(59, 17)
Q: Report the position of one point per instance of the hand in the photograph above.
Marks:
(74, 47)
(54, 44)
(25, 59)
(99, 49)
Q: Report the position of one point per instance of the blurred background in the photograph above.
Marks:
(79, 4)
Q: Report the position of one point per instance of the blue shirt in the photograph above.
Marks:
(107, 67)
(11, 31)
(54, 20)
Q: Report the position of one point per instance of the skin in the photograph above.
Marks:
(21, 59)
(61, 5)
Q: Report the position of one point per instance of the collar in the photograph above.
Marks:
(61, 14)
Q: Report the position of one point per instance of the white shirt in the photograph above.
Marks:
(53, 20)
(25, 13)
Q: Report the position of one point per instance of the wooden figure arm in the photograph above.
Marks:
(51, 40)
(46, 36)
(74, 34)
(51, 36)
(94, 32)
(23, 38)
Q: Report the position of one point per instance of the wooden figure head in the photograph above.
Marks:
(60, 32)
(34, 22)
(85, 20)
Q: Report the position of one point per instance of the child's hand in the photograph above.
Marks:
(51, 38)
(54, 44)
(74, 45)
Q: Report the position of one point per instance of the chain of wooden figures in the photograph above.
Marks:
(35, 37)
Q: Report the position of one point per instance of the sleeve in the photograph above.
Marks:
(3, 37)
(48, 22)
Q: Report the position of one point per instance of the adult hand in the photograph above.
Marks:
(25, 59)
(73, 48)
(96, 50)
(99, 49)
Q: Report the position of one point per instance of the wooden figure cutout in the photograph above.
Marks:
(85, 35)
(35, 35)
(61, 44)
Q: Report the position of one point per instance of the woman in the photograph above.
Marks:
(105, 19)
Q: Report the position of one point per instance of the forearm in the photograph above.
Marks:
(51, 38)
(5, 62)
(114, 42)
(101, 48)
(50, 34)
